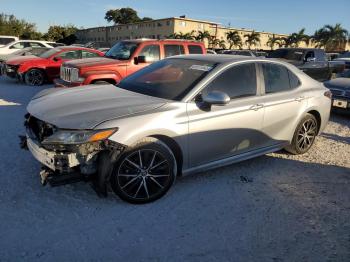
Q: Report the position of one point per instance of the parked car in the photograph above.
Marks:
(312, 61)
(5, 39)
(20, 44)
(344, 58)
(22, 52)
(123, 59)
(36, 70)
(178, 116)
(54, 44)
(244, 53)
(211, 52)
(340, 88)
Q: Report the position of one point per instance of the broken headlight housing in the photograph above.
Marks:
(74, 137)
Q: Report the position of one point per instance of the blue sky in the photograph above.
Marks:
(283, 16)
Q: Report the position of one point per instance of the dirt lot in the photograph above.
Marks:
(273, 208)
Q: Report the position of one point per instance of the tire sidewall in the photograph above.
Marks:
(153, 144)
(31, 70)
(294, 147)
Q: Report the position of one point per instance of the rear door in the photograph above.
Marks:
(284, 102)
(219, 132)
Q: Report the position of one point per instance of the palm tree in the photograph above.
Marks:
(213, 42)
(298, 37)
(272, 41)
(331, 37)
(202, 35)
(222, 44)
(187, 36)
(234, 39)
(252, 39)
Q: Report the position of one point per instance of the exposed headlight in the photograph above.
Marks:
(73, 137)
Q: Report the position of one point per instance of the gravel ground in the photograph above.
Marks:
(275, 208)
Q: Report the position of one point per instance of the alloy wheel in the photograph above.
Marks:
(144, 174)
(306, 135)
(34, 77)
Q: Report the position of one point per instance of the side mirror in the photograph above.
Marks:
(216, 98)
(310, 59)
(57, 59)
(140, 60)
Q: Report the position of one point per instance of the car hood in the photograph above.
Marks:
(88, 106)
(339, 83)
(17, 60)
(91, 62)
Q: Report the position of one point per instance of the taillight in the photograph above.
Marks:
(328, 94)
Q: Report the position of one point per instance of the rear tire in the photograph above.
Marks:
(304, 135)
(144, 172)
(34, 77)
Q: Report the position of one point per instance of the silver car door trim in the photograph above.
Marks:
(235, 158)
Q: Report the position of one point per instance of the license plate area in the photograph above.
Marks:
(43, 156)
(340, 103)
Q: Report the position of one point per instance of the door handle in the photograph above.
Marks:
(300, 98)
(256, 107)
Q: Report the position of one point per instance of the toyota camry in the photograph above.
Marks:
(178, 116)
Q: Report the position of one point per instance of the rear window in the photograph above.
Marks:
(171, 50)
(195, 49)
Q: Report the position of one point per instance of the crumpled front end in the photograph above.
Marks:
(64, 162)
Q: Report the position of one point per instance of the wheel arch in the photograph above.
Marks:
(317, 115)
(175, 148)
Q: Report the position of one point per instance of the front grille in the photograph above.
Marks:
(69, 74)
(38, 129)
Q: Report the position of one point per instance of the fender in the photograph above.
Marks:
(101, 75)
(25, 68)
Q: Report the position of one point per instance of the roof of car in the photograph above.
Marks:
(75, 47)
(228, 59)
(219, 58)
(161, 40)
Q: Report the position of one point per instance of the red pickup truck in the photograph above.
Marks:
(123, 59)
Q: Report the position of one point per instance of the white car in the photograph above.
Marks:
(20, 44)
(6, 39)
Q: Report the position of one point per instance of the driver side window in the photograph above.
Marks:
(151, 53)
(70, 55)
(236, 81)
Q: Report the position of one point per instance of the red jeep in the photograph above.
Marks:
(123, 59)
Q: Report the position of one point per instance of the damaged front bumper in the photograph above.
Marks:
(62, 162)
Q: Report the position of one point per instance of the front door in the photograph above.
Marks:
(151, 54)
(219, 132)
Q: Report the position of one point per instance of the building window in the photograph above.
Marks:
(168, 22)
(159, 24)
(183, 23)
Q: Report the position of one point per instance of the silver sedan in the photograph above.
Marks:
(178, 116)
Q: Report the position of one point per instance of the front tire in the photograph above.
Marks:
(145, 172)
(34, 77)
(304, 135)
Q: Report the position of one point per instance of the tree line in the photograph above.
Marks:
(10, 25)
(328, 37)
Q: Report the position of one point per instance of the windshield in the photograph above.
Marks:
(122, 50)
(50, 52)
(288, 54)
(169, 79)
(345, 55)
